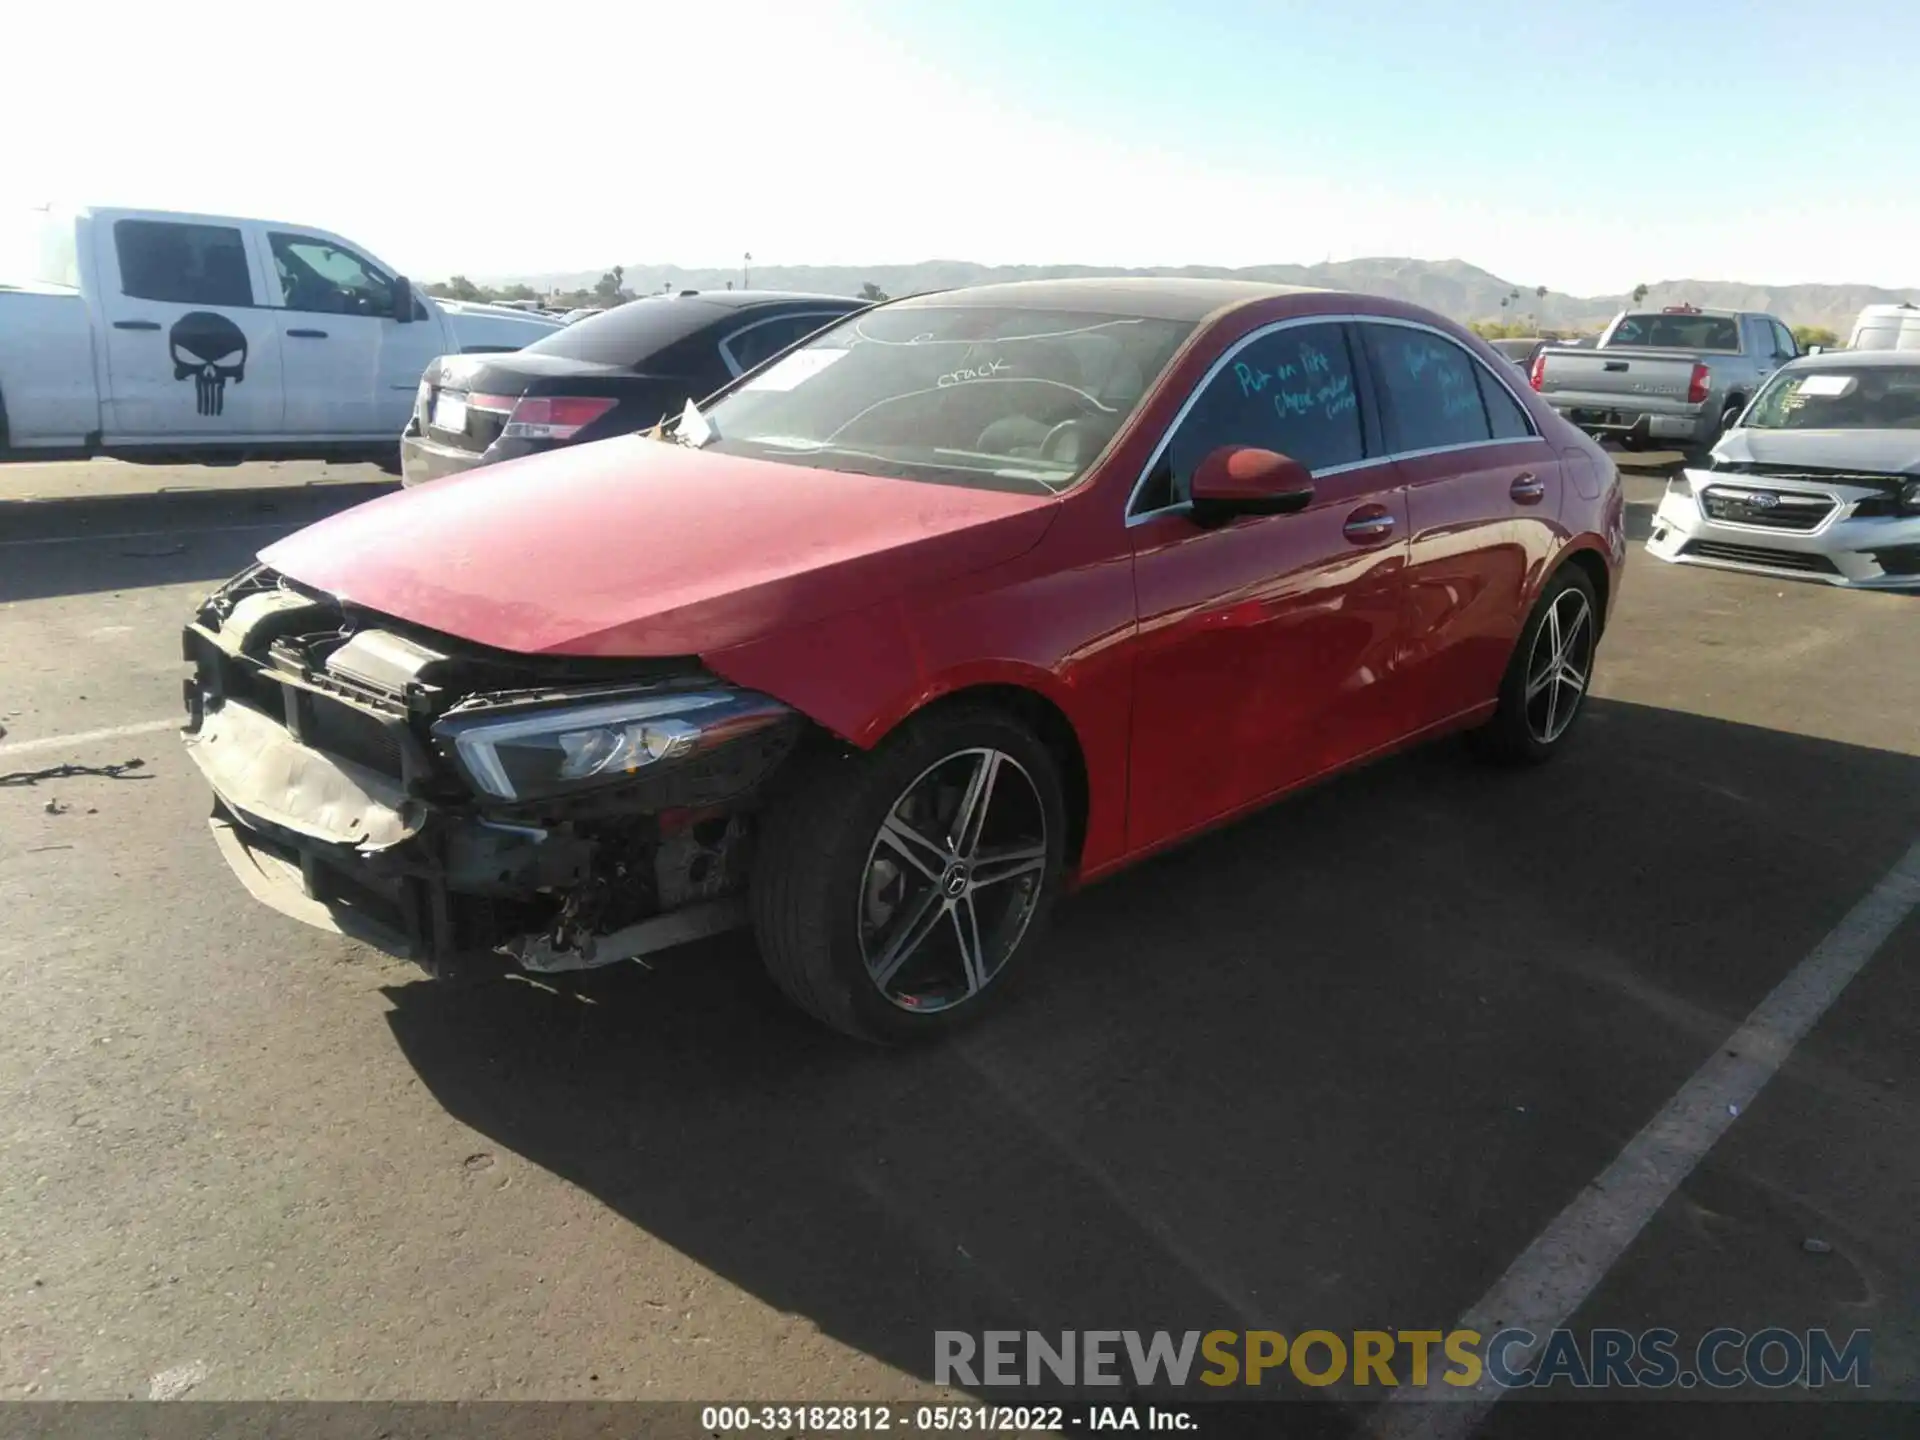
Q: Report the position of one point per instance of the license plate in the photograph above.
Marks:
(450, 413)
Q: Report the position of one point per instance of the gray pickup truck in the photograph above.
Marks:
(1678, 376)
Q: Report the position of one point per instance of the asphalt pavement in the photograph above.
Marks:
(1338, 1066)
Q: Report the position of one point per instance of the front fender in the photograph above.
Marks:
(1058, 631)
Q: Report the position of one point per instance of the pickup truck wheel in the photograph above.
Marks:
(1632, 442)
(897, 893)
(1545, 687)
(1729, 417)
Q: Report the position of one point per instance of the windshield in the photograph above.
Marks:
(1870, 397)
(1677, 332)
(977, 395)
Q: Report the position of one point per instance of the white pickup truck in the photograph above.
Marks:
(148, 335)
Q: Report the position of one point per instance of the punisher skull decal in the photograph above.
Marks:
(212, 350)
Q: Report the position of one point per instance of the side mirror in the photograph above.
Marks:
(403, 300)
(1816, 349)
(1242, 480)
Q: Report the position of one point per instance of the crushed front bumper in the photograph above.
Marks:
(341, 847)
(338, 802)
(1803, 529)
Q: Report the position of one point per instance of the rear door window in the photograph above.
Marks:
(1430, 389)
(182, 264)
(1505, 415)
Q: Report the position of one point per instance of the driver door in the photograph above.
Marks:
(352, 369)
(1266, 646)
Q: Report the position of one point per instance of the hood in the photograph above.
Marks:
(1890, 452)
(637, 547)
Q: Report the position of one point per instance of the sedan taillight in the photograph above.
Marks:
(1698, 384)
(544, 417)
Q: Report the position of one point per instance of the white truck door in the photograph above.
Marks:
(352, 366)
(192, 351)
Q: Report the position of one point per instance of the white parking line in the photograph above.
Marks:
(1556, 1273)
(147, 534)
(87, 737)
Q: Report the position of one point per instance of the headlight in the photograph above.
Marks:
(557, 749)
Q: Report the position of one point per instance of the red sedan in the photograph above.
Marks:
(972, 598)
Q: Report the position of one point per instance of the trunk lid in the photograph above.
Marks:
(637, 547)
(455, 421)
(1624, 374)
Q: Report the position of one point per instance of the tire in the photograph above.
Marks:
(1515, 734)
(831, 893)
(1728, 418)
(1632, 442)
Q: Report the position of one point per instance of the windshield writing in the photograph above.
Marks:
(968, 394)
(1868, 398)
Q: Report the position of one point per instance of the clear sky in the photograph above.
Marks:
(1587, 146)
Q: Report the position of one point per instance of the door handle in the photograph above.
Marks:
(1528, 489)
(136, 324)
(308, 334)
(1367, 525)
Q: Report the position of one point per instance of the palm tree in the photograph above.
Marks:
(1639, 294)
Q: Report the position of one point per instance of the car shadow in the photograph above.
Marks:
(84, 546)
(1329, 1068)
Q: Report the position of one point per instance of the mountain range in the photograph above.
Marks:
(1453, 287)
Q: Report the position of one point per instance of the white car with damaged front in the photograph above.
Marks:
(1819, 479)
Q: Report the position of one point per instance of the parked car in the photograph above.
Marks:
(970, 598)
(148, 335)
(609, 374)
(581, 312)
(1887, 327)
(1820, 479)
(1521, 351)
(1678, 375)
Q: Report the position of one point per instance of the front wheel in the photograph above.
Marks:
(1545, 687)
(897, 892)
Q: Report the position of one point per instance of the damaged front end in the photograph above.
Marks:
(442, 802)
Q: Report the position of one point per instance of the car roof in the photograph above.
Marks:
(740, 299)
(1158, 297)
(1857, 359)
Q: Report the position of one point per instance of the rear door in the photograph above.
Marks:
(352, 367)
(1265, 646)
(1483, 493)
(192, 352)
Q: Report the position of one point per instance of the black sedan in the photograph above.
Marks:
(609, 374)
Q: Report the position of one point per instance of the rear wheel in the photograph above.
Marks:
(1545, 687)
(897, 892)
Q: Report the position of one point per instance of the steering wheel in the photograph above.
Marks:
(1068, 443)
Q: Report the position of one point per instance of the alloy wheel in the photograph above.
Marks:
(1560, 665)
(952, 880)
